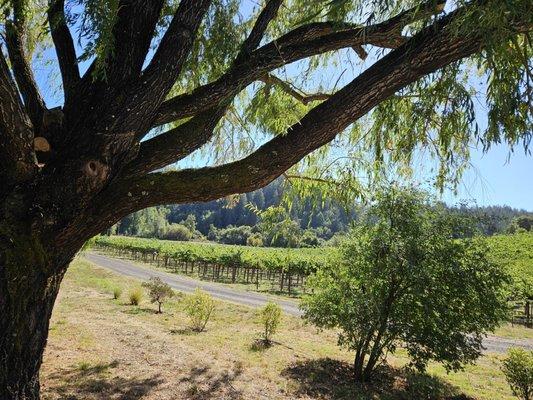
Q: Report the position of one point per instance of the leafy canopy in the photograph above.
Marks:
(402, 278)
(440, 116)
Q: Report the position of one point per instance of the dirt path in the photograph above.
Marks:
(494, 344)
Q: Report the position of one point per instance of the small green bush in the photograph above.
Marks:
(518, 370)
(270, 317)
(159, 291)
(135, 296)
(255, 240)
(117, 292)
(177, 232)
(199, 306)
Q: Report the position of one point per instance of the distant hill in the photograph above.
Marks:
(234, 221)
(327, 219)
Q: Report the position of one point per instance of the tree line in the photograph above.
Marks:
(306, 223)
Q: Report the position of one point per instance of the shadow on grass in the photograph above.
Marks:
(86, 381)
(136, 310)
(259, 345)
(203, 383)
(185, 331)
(331, 379)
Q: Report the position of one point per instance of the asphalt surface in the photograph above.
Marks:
(188, 285)
(494, 344)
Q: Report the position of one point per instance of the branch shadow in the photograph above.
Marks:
(86, 381)
(330, 379)
(204, 384)
(137, 310)
(260, 345)
(184, 331)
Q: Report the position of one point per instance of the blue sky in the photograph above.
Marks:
(494, 178)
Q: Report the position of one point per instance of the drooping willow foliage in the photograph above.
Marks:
(482, 100)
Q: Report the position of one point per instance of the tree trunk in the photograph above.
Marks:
(32, 264)
(358, 366)
(29, 283)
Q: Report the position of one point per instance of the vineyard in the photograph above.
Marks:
(515, 254)
(285, 270)
(282, 270)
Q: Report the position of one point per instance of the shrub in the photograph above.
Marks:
(158, 291)
(309, 239)
(117, 292)
(518, 370)
(402, 278)
(270, 317)
(234, 234)
(199, 306)
(255, 240)
(135, 296)
(177, 232)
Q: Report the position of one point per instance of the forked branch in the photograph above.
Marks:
(15, 41)
(175, 144)
(303, 42)
(428, 51)
(64, 45)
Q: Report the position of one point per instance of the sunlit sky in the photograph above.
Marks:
(495, 177)
(495, 180)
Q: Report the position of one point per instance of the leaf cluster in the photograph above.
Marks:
(401, 278)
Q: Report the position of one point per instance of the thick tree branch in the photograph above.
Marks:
(177, 143)
(268, 13)
(132, 33)
(165, 67)
(64, 45)
(16, 135)
(302, 42)
(15, 41)
(100, 105)
(430, 50)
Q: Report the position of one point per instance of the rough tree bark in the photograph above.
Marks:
(98, 171)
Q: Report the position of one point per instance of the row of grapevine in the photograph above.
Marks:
(515, 254)
(284, 269)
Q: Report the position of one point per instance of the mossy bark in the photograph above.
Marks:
(30, 275)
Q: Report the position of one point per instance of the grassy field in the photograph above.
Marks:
(100, 348)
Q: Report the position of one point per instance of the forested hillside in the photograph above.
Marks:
(231, 220)
(235, 220)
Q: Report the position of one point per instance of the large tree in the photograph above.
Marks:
(149, 82)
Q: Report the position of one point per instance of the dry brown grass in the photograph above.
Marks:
(100, 348)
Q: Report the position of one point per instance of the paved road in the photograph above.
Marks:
(188, 285)
(185, 284)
